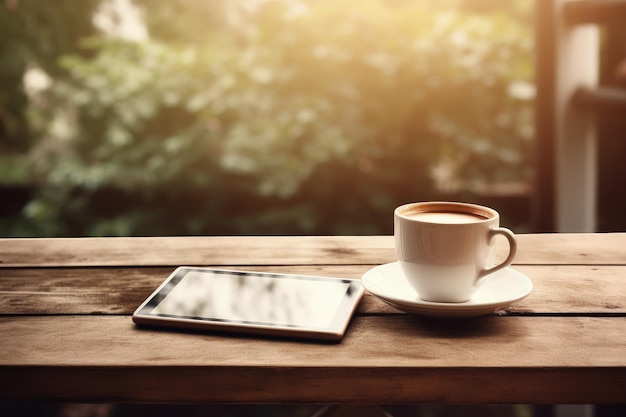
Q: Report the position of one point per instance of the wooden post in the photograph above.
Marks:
(545, 114)
(579, 116)
(577, 55)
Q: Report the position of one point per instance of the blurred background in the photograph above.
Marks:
(185, 117)
(194, 117)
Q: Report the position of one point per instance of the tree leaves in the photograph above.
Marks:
(285, 103)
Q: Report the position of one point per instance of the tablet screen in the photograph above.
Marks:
(252, 299)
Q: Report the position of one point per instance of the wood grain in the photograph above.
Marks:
(108, 359)
(65, 308)
(554, 249)
(85, 290)
(578, 289)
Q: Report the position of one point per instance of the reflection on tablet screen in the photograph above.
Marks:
(254, 299)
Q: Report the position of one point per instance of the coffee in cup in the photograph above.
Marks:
(447, 249)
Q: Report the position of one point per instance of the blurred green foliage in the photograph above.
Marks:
(259, 117)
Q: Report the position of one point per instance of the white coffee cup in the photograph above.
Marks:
(447, 249)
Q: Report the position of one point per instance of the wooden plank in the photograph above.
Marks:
(592, 249)
(558, 289)
(574, 290)
(409, 360)
(270, 385)
(174, 251)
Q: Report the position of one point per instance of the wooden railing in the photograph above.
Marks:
(600, 98)
(568, 94)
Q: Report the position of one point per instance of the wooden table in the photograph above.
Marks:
(67, 335)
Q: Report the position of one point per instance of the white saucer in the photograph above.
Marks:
(502, 288)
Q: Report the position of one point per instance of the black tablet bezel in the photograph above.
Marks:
(334, 332)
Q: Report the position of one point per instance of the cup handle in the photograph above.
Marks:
(512, 251)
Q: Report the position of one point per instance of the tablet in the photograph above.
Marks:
(252, 302)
